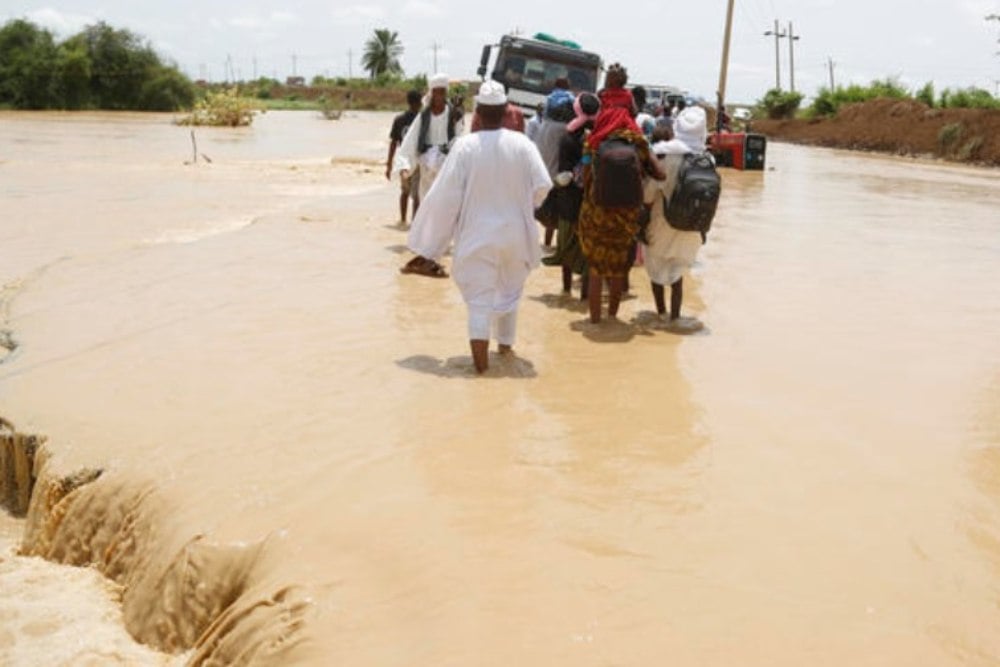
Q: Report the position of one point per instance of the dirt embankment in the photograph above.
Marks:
(902, 127)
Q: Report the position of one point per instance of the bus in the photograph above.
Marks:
(529, 67)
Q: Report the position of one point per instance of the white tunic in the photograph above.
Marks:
(671, 252)
(407, 157)
(484, 198)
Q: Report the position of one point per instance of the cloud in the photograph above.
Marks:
(256, 22)
(58, 21)
(357, 14)
(422, 9)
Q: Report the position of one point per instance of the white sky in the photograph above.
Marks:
(948, 42)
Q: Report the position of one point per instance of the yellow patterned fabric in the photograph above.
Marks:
(607, 234)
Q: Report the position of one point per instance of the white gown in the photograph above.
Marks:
(484, 199)
(670, 252)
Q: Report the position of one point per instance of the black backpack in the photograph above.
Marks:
(692, 204)
(617, 174)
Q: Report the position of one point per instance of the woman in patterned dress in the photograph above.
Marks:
(607, 234)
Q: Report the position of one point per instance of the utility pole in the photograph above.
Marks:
(724, 68)
(350, 64)
(434, 47)
(255, 67)
(778, 35)
(295, 59)
(830, 62)
(791, 56)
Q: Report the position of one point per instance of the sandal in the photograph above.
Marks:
(422, 266)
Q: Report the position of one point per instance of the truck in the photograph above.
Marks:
(529, 67)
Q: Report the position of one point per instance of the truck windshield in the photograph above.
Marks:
(534, 70)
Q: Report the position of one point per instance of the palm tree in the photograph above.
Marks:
(382, 52)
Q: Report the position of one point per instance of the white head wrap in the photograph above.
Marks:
(690, 128)
(491, 93)
(439, 80)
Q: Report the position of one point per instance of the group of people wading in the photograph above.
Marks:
(596, 169)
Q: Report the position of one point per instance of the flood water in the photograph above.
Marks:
(814, 479)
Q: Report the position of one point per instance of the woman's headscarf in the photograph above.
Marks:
(617, 113)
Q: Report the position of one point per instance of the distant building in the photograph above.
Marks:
(295, 81)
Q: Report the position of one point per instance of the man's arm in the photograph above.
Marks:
(406, 157)
(388, 161)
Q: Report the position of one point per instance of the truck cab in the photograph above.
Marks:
(529, 67)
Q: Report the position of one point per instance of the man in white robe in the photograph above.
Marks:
(425, 148)
(484, 199)
(669, 253)
(429, 156)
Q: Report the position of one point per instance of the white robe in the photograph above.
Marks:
(484, 199)
(431, 161)
(671, 252)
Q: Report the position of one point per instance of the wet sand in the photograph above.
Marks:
(299, 467)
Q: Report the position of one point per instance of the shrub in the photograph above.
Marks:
(780, 104)
(970, 148)
(224, 108)
(926, 94)
(968, 98)
(949, 135)
(828, 102)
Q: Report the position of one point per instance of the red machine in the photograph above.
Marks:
(739, 150)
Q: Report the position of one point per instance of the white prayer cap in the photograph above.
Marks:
(691, 129)
(491, 93)
(439, 80)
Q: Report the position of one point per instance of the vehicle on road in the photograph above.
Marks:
(529, 67)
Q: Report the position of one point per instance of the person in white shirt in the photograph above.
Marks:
(670, 253)
(426, 143)
(484, 200)
(425, 148)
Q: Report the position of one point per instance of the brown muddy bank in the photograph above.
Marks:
(899, 127)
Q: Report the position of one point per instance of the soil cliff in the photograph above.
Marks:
(903, 127)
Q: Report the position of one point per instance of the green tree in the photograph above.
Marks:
(166, 90)
(382, 52)
(27, 66)
(120, 64)
(73, 72)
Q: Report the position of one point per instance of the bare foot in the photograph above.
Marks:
(480, 354)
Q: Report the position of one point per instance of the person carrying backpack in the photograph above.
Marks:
(681, 208)
(616, 158)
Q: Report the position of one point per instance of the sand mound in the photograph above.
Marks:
(903, 127)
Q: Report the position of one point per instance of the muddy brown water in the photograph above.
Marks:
(299, 468)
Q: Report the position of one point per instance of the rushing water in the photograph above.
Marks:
(813, 480)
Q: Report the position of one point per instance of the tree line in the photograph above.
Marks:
(98, 68)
